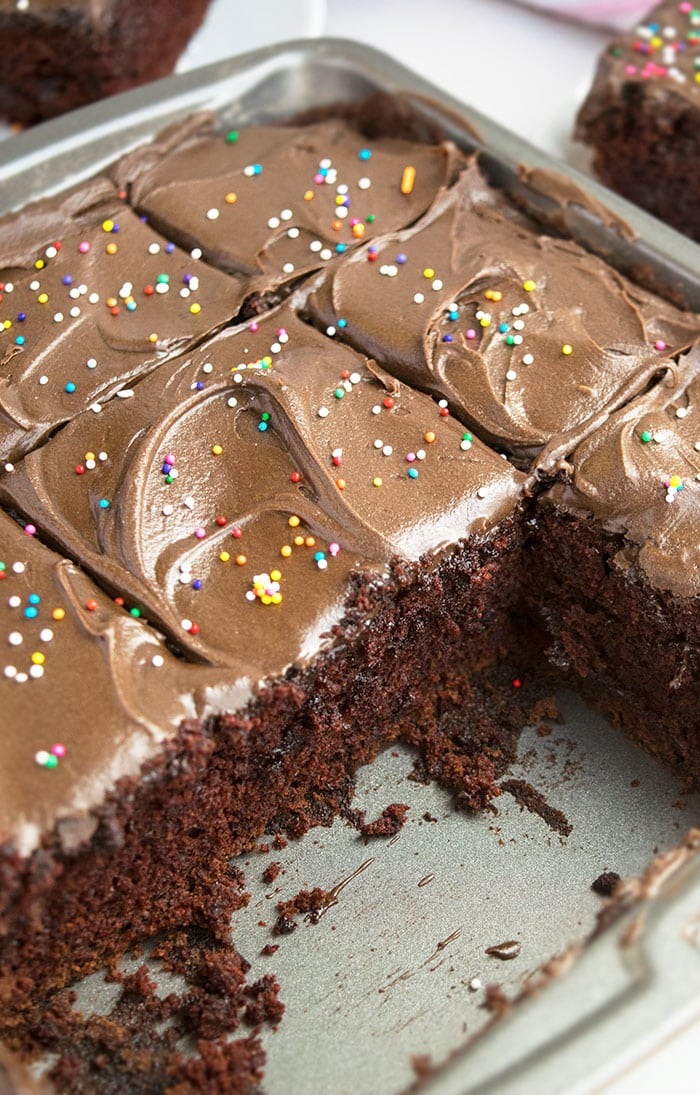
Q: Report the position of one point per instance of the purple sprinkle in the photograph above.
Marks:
(447, 338)
(401, 258)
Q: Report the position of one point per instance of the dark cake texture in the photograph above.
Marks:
(316, 513)
(61, 54)
(642, 115)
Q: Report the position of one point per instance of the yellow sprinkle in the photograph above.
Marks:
(266, 599)
(408, 179)
(275, 575)
(299, 541)
(195, 309)
(285, 551)
(485, 321)
(39, 264)
(231, 198)
(493, 294)
(358, 230)
(89, 456)
(38, 658)
(112, 302)
(107, 226)
(339, 199)
(529, 285)
(58, 613)
(153, 337)
(43, 298)
(276, 598)
(657, 42)
(294, 521)
(567, 349)
(428, 272)
(674, 481)
(377, 482)
(111, 248)
(217, 450)
(308, 195)
(7, 323)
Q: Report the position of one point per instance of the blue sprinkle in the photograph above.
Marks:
(70, 386)
(319, 555)
(169, 248)
(340, 247)
(67, 279)
(401, 258)
(31, 613)
(104, 503)
(413, 473)
(262, 426)
(365, 154)
(167, 468)
(19, 341)
(34, 599)
(503, 327)
(342, 323)
(21, 316)
(197, 583)
(454, 315)
(131, 305)
(199, 385)
(447, 338)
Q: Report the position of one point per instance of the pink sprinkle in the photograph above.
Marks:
(685, 8)
(30, 530)
(253, 327)
(281, 333)
(410, 456)
(354, 221)
(319, 179)
(58, 750)
(200, 533)
(660, 345)
(471, 333)
(170, 459)
(84, 247)
(631, 70)
(334, 548)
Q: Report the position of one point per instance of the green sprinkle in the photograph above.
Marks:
(339, 393)
(646, 436)
(370, 218)
(51, 761)
(135, 612)
(232, 136)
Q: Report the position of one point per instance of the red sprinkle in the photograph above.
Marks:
(295, 476)
(388, 402)
(221, 521)
(79, 469)
(236, 534)
(148, 290)
(91, 605)
(194, 629)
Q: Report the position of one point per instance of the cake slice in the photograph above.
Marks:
(530, 339)
(90, 299)
(619, 585)
(281, 202)
(641, 117)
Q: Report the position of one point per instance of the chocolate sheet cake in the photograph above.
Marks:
(641, 116)
(313, 524)
(61, 55)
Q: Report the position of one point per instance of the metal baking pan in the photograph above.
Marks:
(397, 969)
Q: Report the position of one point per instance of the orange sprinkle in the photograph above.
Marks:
(241, 560)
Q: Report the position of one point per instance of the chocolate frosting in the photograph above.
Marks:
(274, 433)
(63, 346)
(658, 58)
(533, 340)
(640, 475)
(281, 202)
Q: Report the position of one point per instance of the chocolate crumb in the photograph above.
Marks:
(389, 823)
(271, 872)
(505, 951)
(529, 798)
(269, 948)
(605, 883)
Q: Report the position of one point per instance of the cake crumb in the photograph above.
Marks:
(605, 883)
(271, 872)
(390, 822)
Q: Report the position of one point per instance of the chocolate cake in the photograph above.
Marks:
(310, 523)
(642, 115)
(60, 55)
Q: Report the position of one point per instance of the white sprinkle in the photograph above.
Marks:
(188, 501)
(671, 496)
(186, 624)
(420, 455)
(442, 403)
(378, 444)
(153, 248)
(475, 984)
(94, 298)
(293, 233)
(286, 215)
(36, 671)
(518, 325)
(96, 408)
(315, 246)
(124, 393)
(33, 285)
(418, 298)
(511, 374)
(14, 602)
(9, 467)
(387, 450)
(74, 312)
(43, 379)
(323, 412)
(237, 378)
(41, 757)
(46, 635)
(21, 678)
(528, 359)
(482, 492)
(196, 253)
(162, 287)
(288, 268)
(90, 465)
(324, 164)
(326, 254)
(342, 188)
(207, 367)
(364, 183)
(273, 222)
(74, 293)
(341, 212)
(376, 409)
(322, 564)
(157, 661)
(330, 331)
(465, 445)
(437, 284)
(173, 473)
(18, 568)
(10, 672)
(184, 292)
(249, 171)
(15, 638)
(275, 348)
(232, 401)
(681, 412)
(697, 449)
(167, 510)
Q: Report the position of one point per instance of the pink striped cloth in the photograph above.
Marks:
(621, 14)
